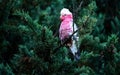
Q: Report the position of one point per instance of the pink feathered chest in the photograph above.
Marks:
(65, 29)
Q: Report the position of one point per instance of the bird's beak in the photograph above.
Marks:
(61, 17)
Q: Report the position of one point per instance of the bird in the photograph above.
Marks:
(66, 30)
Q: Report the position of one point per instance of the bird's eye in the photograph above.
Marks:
(64, 15)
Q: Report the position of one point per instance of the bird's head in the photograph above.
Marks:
(65, 13)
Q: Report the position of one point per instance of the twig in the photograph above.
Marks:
(79, 7)
(72, 34)
(74, 16)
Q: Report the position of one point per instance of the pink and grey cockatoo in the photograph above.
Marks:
(66, 30)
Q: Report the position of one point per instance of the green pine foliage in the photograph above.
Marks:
(29, 42)
(6, 70)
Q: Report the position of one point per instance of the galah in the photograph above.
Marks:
(66, 30)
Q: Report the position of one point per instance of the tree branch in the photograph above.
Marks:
(79, 7)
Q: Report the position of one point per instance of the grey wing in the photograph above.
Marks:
(75, 36)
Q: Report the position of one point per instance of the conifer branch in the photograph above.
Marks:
(27, 19)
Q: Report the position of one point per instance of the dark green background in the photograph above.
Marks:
(29, 43)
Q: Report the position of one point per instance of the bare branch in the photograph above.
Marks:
(75, 12)
(79, 7)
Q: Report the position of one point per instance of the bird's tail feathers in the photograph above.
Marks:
(75, 51)
(77, 55)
